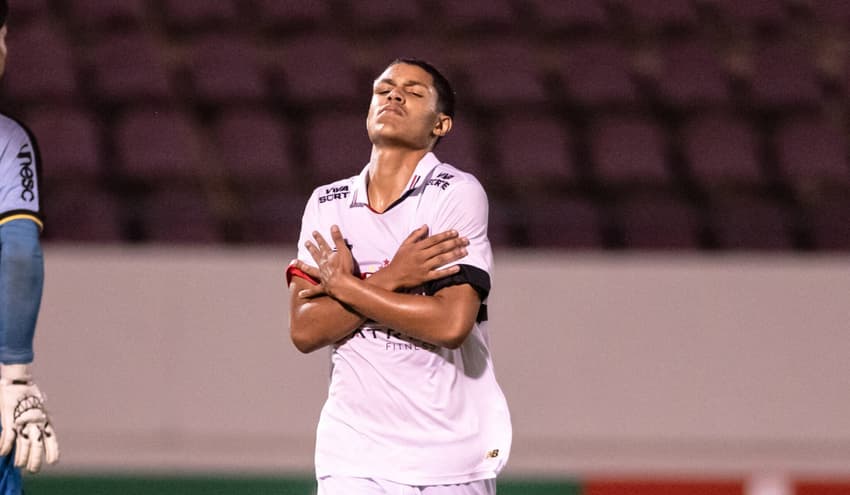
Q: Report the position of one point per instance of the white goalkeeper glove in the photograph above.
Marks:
(24, 420)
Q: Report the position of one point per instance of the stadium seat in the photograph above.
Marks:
(83, 213)
(114, 78)
(158, 146)
(828, 218)
(505, 226)
(812, 152)
(177, 216)
(569, 16)
(256, 149)
(658, 222)
(29, 12)
(106, 15)
(277, 15)
(40, 68)
(535, 152)
(224, 70)
(503, 73)
(562, 222)
(784, 76)
(653, 15)
(722, 151)
(750, 223)
(752, 14)
(69, 142)
(628, 151)
(315, 69)
(273, 217)
(372, 14)
(338, 147)
(692, 75)
(596, 73)
(830, 11)
(476, 14)
(191, 16)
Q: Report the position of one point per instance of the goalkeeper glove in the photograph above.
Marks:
(24, 419)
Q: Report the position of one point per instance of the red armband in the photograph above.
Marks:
(294, 271)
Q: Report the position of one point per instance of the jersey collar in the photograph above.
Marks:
(423, 168)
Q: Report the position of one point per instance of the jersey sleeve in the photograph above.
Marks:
(465, 209)
(309, 223)
(19, 184)
(21, 284)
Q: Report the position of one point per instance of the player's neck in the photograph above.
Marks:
(390, 170)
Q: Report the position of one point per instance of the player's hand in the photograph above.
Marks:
(420, 256)
(335, 264)
(25, 423)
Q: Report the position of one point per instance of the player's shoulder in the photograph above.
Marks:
(447, 177)
(11, 127)
(333, 191)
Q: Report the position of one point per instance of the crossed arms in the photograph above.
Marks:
(325, 312)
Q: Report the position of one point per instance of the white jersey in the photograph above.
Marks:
(399, 408)
(19, 159)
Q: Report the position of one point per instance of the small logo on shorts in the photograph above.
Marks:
(493, 454)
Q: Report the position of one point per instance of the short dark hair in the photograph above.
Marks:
(445, 93)
(4, 11)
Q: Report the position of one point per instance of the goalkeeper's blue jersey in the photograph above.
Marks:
(19, 162)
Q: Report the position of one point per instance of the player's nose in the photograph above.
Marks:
(395, 95)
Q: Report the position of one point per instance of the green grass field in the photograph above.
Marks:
(218, 485)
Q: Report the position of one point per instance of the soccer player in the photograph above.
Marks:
(413, 405)
(27, 438)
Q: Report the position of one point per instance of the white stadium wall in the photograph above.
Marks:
(179, 360)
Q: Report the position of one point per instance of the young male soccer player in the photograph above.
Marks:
(24, 422)
(413, 405)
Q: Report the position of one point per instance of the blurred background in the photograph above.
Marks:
(636, 153)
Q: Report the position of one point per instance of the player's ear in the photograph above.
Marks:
(443, 125)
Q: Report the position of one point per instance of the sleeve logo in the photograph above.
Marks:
(441, 181)
(27, 173)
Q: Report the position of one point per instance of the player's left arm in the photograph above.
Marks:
(24, 419)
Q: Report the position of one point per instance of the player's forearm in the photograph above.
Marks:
(21, 284)
(320, 321)
(434, 319)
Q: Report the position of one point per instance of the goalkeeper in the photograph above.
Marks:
(27, 438)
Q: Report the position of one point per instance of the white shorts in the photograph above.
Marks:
(342, 485)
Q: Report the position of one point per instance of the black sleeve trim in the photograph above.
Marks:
(21, 213)
(468, 274)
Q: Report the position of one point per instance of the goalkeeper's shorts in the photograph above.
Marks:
(10, 476)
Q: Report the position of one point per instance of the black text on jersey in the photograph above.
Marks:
(442, 180)
(332, 193)
(27, 173)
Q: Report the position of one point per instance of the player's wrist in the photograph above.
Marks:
(15, 373)
(337, 285)
(385, 278)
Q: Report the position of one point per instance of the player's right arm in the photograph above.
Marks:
(316, 320)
